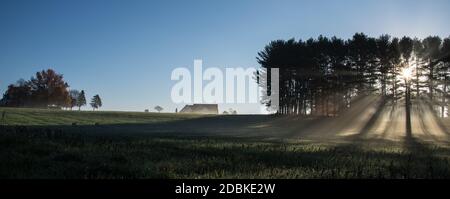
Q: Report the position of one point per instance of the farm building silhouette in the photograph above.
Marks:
(201, 109)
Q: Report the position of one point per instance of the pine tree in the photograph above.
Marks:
(81, 100)
(96, 102)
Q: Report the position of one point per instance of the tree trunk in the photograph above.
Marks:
(430, 81)
(443, 97)
(417, 82)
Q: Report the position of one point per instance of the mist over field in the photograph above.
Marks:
(365, 142)
(225, 89)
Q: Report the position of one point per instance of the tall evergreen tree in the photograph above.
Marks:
(323, 76)
(431, 54)
(81, 100)
(96, 102)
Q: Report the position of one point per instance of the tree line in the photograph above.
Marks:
(47, 89)
(323, 76)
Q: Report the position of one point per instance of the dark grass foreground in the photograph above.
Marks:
(42, 152)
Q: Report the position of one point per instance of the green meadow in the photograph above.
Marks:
(40, 143)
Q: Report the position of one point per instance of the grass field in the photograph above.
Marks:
(37, 143)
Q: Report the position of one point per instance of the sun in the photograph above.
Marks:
(407, 73)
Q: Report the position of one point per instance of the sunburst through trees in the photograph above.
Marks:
(323, 76)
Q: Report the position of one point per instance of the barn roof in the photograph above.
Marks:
(201, 109)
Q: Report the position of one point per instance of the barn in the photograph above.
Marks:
(201, 109)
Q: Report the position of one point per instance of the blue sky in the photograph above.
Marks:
(125, 51)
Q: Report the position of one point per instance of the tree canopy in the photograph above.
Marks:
(322, 76)
(46, 88)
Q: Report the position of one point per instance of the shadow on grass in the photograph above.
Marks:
(235, 146)
(53, 153)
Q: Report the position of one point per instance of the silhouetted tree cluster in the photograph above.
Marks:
(46, 89)
(323, 76)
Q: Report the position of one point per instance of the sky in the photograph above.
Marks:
(125, 51)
